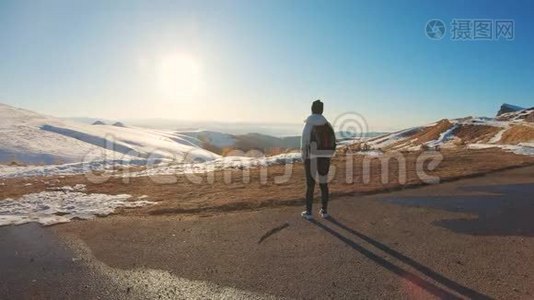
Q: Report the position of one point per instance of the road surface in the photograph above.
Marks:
(471, 238)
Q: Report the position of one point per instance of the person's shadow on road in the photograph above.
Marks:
(423, 283)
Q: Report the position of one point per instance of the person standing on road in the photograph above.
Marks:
(318, 144)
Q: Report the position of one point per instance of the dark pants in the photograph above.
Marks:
(313, 167)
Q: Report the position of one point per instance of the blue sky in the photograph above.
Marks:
(261, 61)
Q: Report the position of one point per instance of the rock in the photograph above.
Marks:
(508, 108)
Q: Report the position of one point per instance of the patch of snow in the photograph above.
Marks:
(76, 188)
(349, 142)
(483, 146)
(443, 137)
(414, 148)
(372, 153)
(498, 136)
(66, 169)
(53, 207)
(227, 162)
(164, 167)
(488, 122)
(521, 149)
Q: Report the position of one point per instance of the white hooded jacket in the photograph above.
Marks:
(312, 120)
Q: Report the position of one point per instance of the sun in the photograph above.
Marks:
(179, 76)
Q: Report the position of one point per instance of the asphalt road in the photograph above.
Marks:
(471, 238)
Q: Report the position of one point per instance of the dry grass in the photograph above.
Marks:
(432, 133)
(518, 134)
(475, 133)
(424, 135)
(183, 196)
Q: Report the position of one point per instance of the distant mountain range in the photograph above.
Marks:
(31, 138)
(235, 128)
(279, 130)
(221, 138)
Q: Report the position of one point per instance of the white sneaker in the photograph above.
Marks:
(306, 215)
(323, 214)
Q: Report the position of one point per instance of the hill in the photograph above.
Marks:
(31, 138)
(512, 131)
(222, 143)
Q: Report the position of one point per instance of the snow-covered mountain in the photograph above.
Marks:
(31, 138)
(512, 130)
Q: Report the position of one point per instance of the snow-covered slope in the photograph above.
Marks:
(30, 138)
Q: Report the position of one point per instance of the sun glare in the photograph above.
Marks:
(178, 76)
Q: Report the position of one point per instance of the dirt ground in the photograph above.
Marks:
(178, 194)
